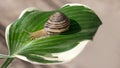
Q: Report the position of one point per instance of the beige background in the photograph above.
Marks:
(103, 52)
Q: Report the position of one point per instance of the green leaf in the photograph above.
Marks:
(84, 24)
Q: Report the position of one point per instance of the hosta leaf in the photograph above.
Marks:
(84, 24)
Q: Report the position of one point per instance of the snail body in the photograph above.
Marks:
(56, 24)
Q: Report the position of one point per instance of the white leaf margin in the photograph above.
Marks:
(63, 56)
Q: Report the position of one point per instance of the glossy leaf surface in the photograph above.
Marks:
(84, 24)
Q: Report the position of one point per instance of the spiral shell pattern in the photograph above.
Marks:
(56, 24)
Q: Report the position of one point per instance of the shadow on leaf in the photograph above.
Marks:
(74, 28)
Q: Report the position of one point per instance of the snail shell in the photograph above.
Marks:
(56, 24)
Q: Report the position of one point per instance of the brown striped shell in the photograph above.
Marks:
(57, 24)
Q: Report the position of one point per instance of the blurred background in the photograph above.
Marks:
(102, 52)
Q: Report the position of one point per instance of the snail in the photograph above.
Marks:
(56, 24)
